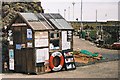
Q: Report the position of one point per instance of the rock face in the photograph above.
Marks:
(20, 0)
(8, 12)
(9, 9)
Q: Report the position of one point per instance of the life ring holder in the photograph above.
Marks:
(59, 67)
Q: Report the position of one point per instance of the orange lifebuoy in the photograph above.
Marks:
(58, 68)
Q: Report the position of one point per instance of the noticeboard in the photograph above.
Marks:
(42, 55)
(41, 39)
(69, 60)
(65, 44)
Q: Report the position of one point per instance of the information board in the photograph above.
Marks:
(41, 39)
(69, 60)
(42, 55)
(11, 59)
(65, 43)
(29, 34)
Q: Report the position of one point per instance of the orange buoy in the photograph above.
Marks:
(59, 67)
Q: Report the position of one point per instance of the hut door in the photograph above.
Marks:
(20, 53)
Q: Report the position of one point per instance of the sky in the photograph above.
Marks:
(106, 10)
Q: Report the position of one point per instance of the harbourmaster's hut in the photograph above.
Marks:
(40, 43)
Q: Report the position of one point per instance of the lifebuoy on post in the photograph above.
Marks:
(59, 67)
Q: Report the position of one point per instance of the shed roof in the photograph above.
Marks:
(35, 22)
(58, 21)
(42, 21)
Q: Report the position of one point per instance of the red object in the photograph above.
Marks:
(61, 61)
(116, 45)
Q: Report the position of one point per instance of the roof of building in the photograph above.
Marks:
(42, 21)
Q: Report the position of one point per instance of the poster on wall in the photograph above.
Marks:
(41, 39)
(11, 64)
(18, 46)
(65, 43)
(29, 44)
(41, 35)
(29, 34)
(11, 59)
(10, 38)
(69, 35)
(11, 54)
(67, 60)
(9, 32)
(42, 55)
(41, 42)
(10, 42)
(70, 66)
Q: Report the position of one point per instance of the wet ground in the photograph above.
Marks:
(99, 70)
(107, 68)
(108, 54)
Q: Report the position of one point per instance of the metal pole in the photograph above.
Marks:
(64, 12)
(96, 18)
(73, 9)
(68, 12)
(58, 11)
(96, 15)
(81, 27)
(81, 11)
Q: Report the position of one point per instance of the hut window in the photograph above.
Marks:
(54, 35)
(55, 43)
(54, 40)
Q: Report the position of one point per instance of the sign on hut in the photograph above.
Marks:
(40, 43)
